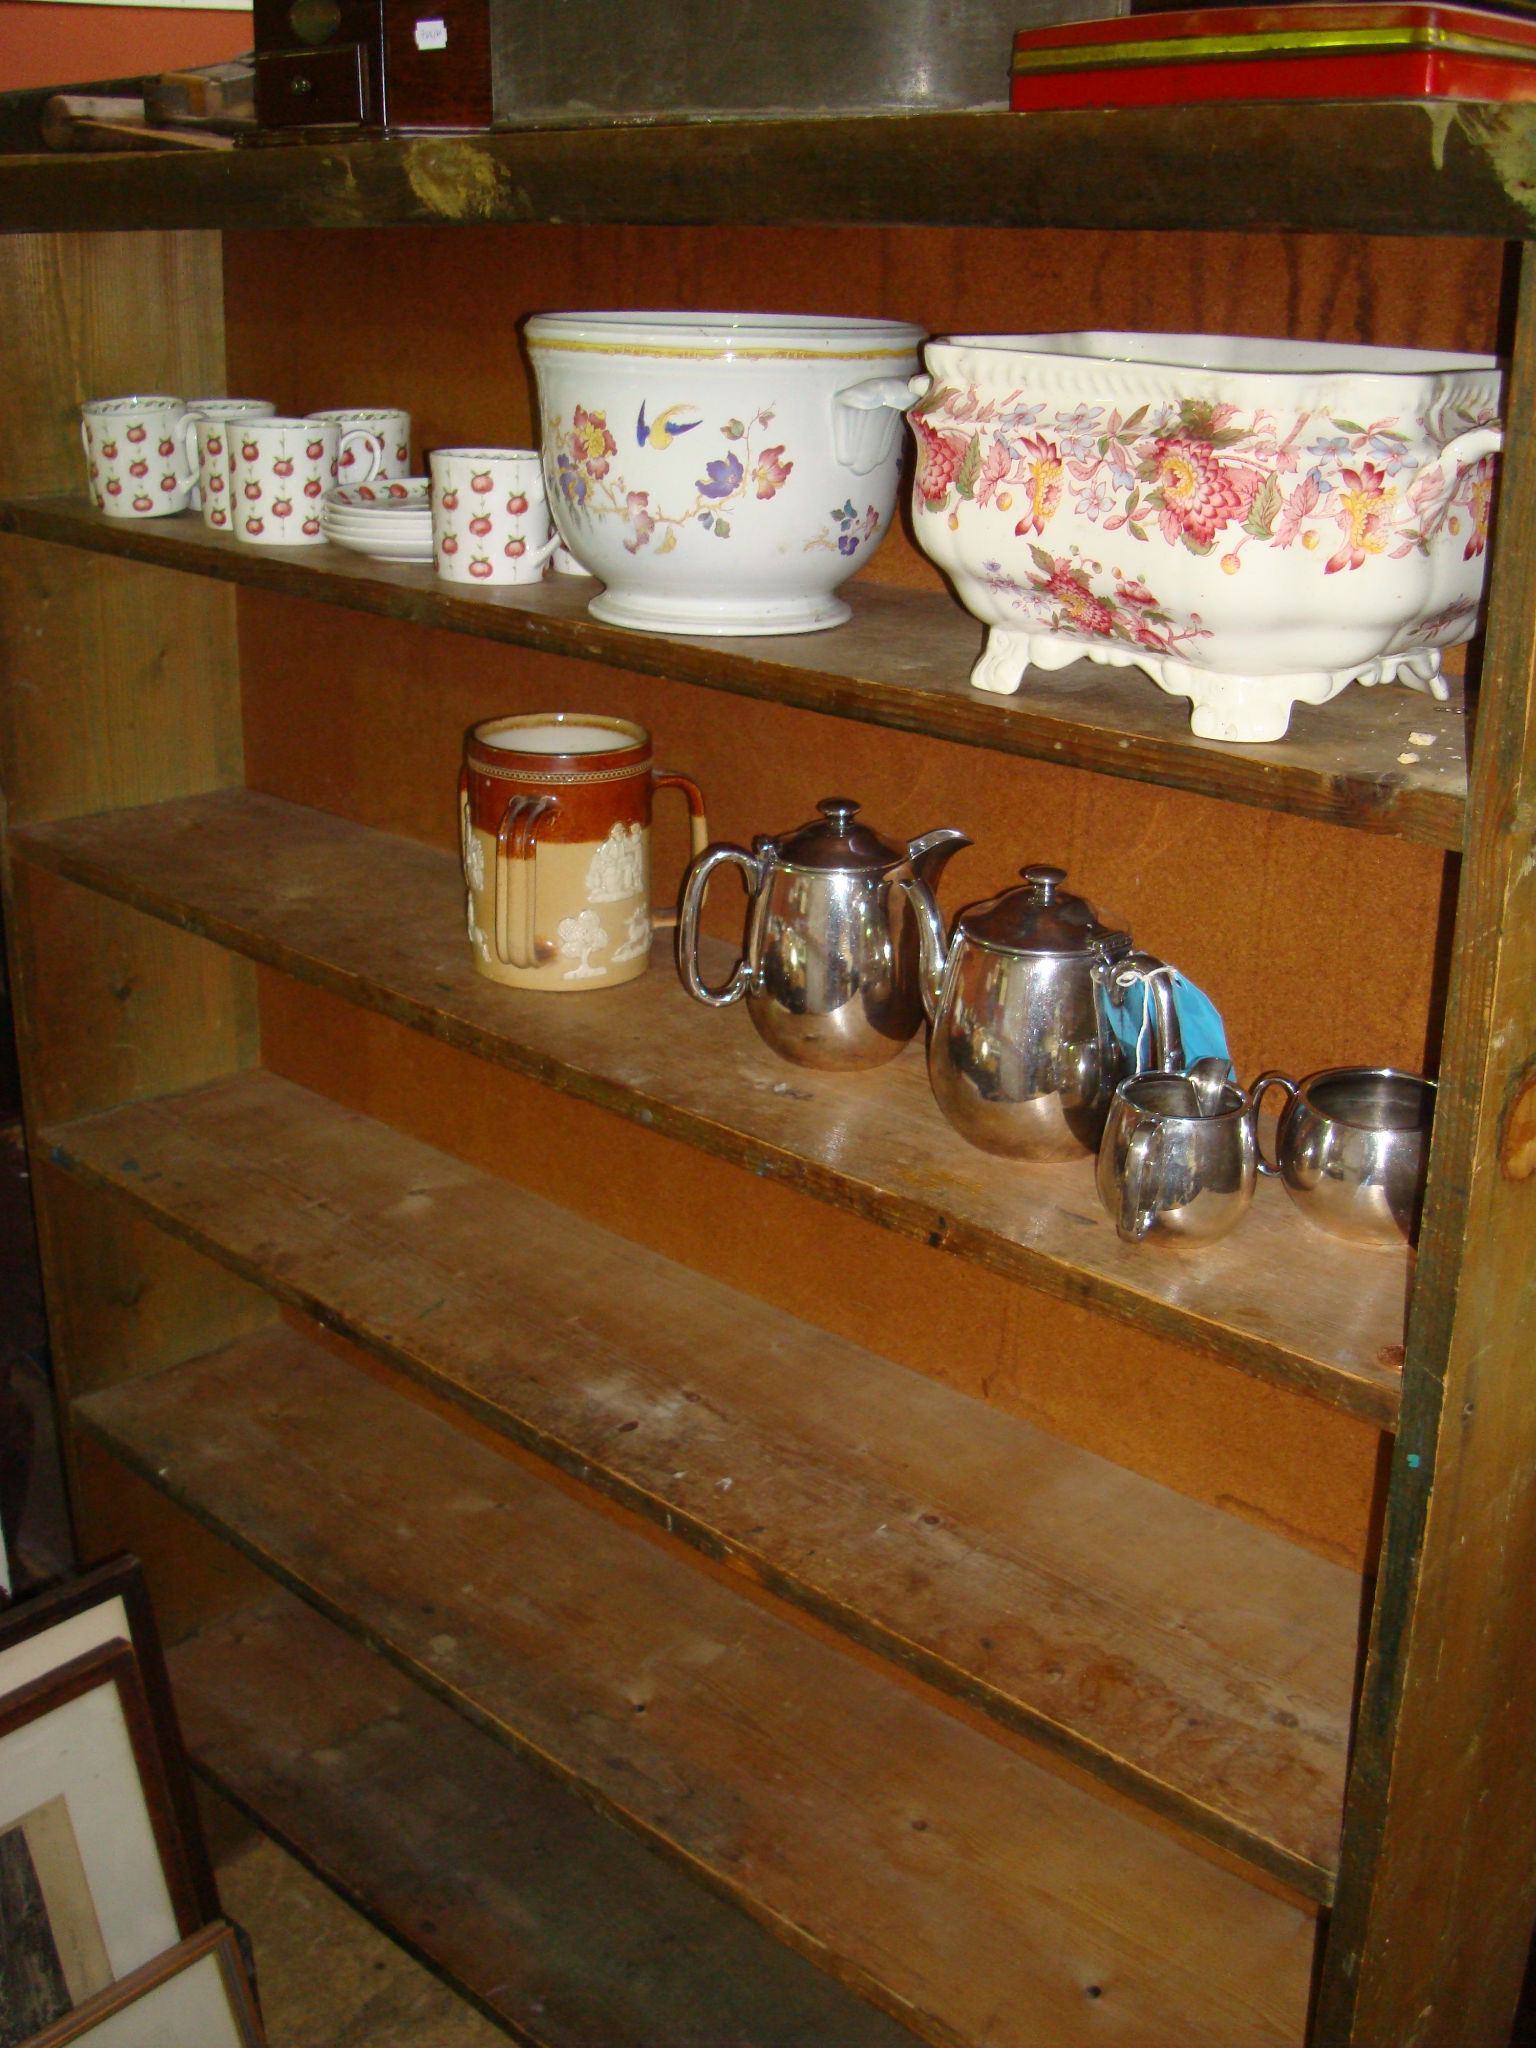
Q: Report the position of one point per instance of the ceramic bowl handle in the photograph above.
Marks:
(1460, 454)
(866, 420)
(1266, 1081)
(515, 873)
(688, 924)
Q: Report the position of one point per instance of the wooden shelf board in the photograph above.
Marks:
(961, 1887)
(1384, 167)
(288, 886)
(1200, 1664)
(903, 661)
(554, 1922)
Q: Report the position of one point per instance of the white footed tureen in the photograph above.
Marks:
(1254, 523)
(721, 472)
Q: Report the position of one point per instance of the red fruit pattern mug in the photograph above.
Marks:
(375, 441)
(136, 456)
(211, 426)
(490, 517)
(280, 470)
(555, 817)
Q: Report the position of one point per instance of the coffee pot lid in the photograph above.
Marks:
(1042, 917)
(836, 843)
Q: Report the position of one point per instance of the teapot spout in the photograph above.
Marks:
(919, 877)
(927, 854)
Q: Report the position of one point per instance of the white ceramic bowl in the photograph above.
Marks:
(1254, 523)
(721, 472)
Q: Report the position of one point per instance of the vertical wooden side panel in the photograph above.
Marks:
(120, 686)
(1438, 1885)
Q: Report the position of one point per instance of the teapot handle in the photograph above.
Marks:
(688, 924)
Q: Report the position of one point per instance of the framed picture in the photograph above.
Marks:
(196, 1996)
(94, 1881)
(111, 1604)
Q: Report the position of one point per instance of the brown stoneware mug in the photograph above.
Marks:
(555, 814)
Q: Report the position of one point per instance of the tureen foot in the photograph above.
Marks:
(1008, 653)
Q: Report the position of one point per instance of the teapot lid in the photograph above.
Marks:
(1042, 917)
(836, 843)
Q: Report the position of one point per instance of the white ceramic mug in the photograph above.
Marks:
(136, 456)
(490, 517)
(207, 422)
(375, 441)
(280, 470)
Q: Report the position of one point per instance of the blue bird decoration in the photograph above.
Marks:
(665, 428)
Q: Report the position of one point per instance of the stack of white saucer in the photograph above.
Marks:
(390, 519)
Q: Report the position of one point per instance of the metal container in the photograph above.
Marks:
(1352, 1147)
(829, 971)
(1176, 1165)
(1021, 1056)
(692, 59)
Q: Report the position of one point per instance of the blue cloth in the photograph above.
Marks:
(1199, 1022)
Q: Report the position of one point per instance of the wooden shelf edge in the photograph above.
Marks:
(1371, 1396)
(1132, 731)
(426, 1828)
(650, 1610)
(1373, 167)
(813, 1584)
(431, 1682)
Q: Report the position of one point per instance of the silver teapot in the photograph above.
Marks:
(830, 971)
(1022, 1057)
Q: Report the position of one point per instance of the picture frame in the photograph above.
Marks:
(197, 1995)
(94, 1881)
(112, 1602)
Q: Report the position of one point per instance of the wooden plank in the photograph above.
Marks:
(902, 662)
(1201, 1664)
(1431, 1942)
(120, 686)
(295, 888)
(1382, 167)
(946, 1877)
(550, 1919)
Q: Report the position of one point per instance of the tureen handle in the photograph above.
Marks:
(1466, 449)
(865, 421)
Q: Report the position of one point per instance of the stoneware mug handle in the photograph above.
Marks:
(368, 446)
(703, 867)
(98, 497)
(516, 872)
(663, 917)
(1270, 1079)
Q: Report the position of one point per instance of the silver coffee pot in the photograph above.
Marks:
(1022, 1056)
(830, 970)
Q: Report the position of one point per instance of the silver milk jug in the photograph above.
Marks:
(1022, 1056)
(830, 970)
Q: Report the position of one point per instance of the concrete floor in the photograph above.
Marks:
(325, 1977)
